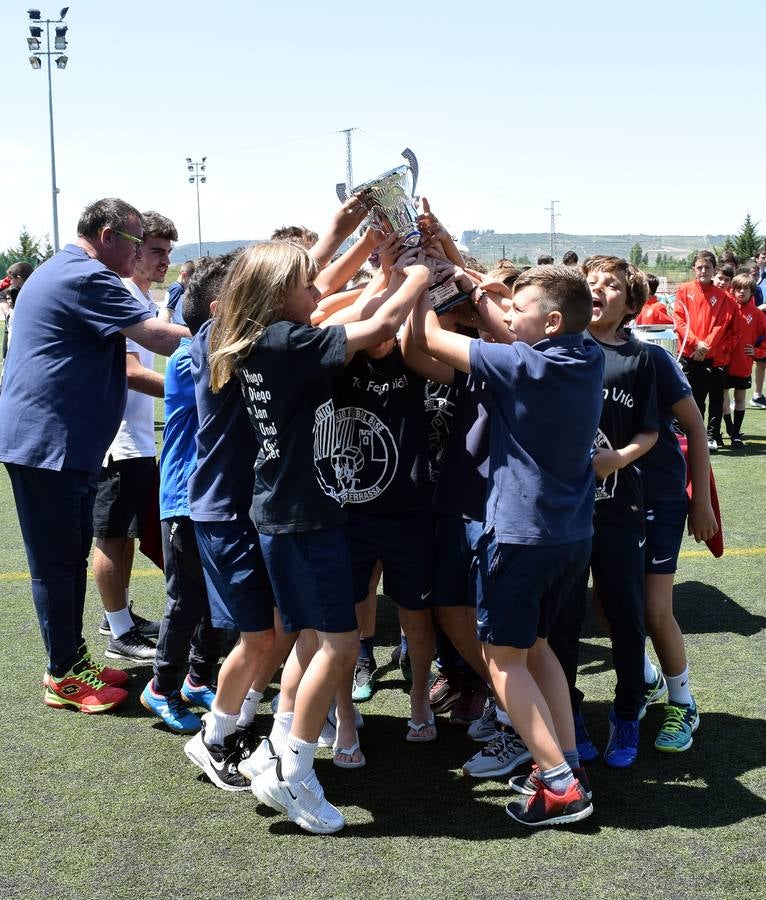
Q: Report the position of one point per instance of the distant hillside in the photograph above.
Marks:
(209, 248)
(490, 246)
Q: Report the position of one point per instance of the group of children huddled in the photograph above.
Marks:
(307, 443)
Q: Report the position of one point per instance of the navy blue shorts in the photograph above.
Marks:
(238, 585)
(404, 544)
(311, 575)
(523, 588)
(665, 526)
(456, 579)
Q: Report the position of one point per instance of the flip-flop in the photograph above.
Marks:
(348, 751)
(418, 728)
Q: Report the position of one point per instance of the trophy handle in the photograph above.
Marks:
(413, 163)
(340, 190)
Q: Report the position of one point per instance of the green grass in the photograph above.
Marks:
(109, 806)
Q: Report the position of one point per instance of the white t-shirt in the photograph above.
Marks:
(135, 436)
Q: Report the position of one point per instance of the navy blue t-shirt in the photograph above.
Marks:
(630, 407)
(663, 468)
(544, 413)
(221, 488)
(175, 292)
(64, 386)
(300, 483)
(462, 486)
(382, 440)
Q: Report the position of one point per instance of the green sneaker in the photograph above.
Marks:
(653, 691)
(364, 678)
(681, 721)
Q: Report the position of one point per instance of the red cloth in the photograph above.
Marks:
(709, 314)
(751, 329)
(715, 544)
(654, 313)
(151, 539)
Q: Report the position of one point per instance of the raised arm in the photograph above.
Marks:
(333, 278)
(448, 347)
(349, 217)
(426, 366)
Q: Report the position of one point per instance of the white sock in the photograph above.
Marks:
(249, 706)
(504, 718)
(218, 726)
(279, 731)
(120, 622)
(650, 670)
(678, 688)
(297, 759)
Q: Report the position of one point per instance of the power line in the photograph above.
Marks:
(552, 210)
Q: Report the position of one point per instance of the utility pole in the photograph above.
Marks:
(552, 210)
(197, 168)
(349, 167)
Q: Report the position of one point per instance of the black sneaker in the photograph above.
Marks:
(529, 784)
(147, 628)
(547, 808)
(131, 645)
(219, 761)
(737, 443)
(247, 739)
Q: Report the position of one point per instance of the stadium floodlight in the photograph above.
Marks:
(35, 31)
(61, 61)
(60, 42)
(190, 168)
(34, 44)
(64, 11)
(33, 14)
(35, 62)
(191, 180)
(203, 179)
(188, 159)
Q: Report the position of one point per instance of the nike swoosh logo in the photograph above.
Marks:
(684, 683)
(641, 543)
(656, 562)
(294, 751)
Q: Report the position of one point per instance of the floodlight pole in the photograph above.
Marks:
(54, 188)
(196, 168)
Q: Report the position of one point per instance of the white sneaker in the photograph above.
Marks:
(260, 760)
(304, 802)
(500, 756)
(484, 729)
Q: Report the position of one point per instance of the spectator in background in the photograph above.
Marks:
(653, 311)
(723, 275)
(570, 258)
(67, 363)
(170, 311)
(545, 259)
(296, 234)
(17, 274)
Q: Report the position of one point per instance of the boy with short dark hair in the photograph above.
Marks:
(653, 311)
(538, 521)
(627, 430)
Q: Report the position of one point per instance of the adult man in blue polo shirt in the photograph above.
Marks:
(63, 397)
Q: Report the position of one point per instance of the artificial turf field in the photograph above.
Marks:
(109, 807)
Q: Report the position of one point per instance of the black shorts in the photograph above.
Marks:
(665, 525)
(123, 497)
(738, 382)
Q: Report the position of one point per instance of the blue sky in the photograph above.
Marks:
(636, 117)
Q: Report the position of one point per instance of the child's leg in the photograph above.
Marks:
(549, 676)
(760, 372)
(727, 413)
(716, 401)
(239, 668)
(661, 625)
(418, 626)
(294, 669)
(459, 624)
(280, 650)
(739, 409)
(564, 636)
(366, 613)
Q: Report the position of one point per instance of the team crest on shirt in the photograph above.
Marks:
(364, 456)
(324, 452)
(605, 487)
(439, 409)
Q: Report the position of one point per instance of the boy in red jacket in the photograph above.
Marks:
(653, 312)
(704, 316)
(748, 344)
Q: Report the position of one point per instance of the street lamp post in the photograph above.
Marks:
(61, 60)
(196, 169)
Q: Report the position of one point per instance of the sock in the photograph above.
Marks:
(503, 718)
(218, 726)
(572, 759)
(279, 731)
(297, 759)
(120, 622)
(678, 688)
(729, 426)
(403, 645)
(650, 670)
(367, 647)
(739, 418)
(558, 778)
(249, 706)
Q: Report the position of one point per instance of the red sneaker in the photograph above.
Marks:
(82, 689)
(113, 677)
(547, 808)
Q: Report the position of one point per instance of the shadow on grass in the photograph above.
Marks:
(416, 791)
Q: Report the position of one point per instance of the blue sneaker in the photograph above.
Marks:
(202, 695)
(171, 710)
(678, 727)
(622, 746)
(586, 749)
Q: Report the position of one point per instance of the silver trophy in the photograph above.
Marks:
(391, 200)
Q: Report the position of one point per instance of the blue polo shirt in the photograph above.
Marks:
(64, 387)
(179, 446)
(544, 409)
(221, 488)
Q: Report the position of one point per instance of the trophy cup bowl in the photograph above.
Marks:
(389, 199)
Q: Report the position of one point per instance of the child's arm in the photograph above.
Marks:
(385, 321)
(687, 339)
(346, 219)
(606, 461)
(446, 346)
(701, 520)
(426, 366)
(432, 229)
(332, 278)
(332, 304)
